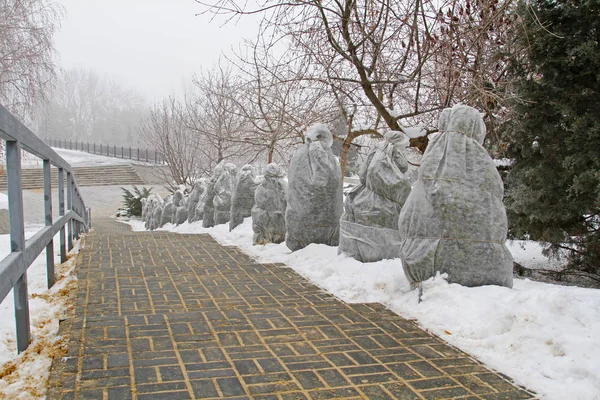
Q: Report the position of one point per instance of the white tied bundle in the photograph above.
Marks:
(195, 197)
(242, 198)
(208, 211)
(223, 189)
(369, 224)
(454, 221)
(168, 211)
(314, 193)
(268, 213)
(181, 210)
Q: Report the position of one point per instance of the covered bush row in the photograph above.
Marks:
(450, 220)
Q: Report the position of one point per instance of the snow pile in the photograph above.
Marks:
(25, 375)
(543, 336)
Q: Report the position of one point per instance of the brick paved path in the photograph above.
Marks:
(168, 316)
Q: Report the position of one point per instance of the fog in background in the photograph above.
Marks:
(150, 45)
(119, 57)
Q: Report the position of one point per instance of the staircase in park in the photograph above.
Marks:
(85, 176)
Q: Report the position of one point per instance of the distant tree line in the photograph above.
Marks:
(84, 106)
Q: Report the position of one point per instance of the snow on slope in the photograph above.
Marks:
(543, 336)
(82, 159)
(25, 376)
(77, 159)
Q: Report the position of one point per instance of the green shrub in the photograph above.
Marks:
(133, 201)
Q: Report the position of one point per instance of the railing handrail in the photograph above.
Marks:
(76, 216)
(127, 152)
(11, 129)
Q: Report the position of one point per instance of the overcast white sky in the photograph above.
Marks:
(151, 45)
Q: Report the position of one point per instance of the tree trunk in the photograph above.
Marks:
(344, 154)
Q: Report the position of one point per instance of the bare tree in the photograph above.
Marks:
(475, 39)
(275, 101)
(86, 106)
(166, 131)
(215, 117)
(27, 62)
(370, 49)
(381, 59)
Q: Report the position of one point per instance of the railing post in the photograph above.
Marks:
(70, 208)
(94, 147)
(89, 218)
(115, 150)
(61, 212)
(79, 226)
(138, 154)
(48, 219)
(146, 155)
(78, 223)
(17, 239)
(122, 155)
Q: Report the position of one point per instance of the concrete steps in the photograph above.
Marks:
(85, 176)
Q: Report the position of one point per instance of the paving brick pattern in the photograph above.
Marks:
(168, 316)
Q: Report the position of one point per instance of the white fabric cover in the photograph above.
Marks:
(153, 211)
(314, 202)
(197, 192)
(242, 198)
(168, 210)
(199, 213)
(268, 212)
(144, 202)
(454, 221)
(178, 204)
(208, 218)
(223, 190)
(369, 224)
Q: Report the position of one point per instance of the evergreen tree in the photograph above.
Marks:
(553, 189)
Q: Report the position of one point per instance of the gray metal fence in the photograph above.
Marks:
(76, 218)
(130, 153)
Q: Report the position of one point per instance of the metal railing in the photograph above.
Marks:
(76, 218)
(136, 154)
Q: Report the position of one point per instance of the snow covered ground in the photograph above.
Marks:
(25, 376)
(543, 336)
(78, 159)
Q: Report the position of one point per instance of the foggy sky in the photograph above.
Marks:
(151, 45)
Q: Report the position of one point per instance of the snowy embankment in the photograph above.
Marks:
(25, 376)
(78, 158)
(543, 336)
